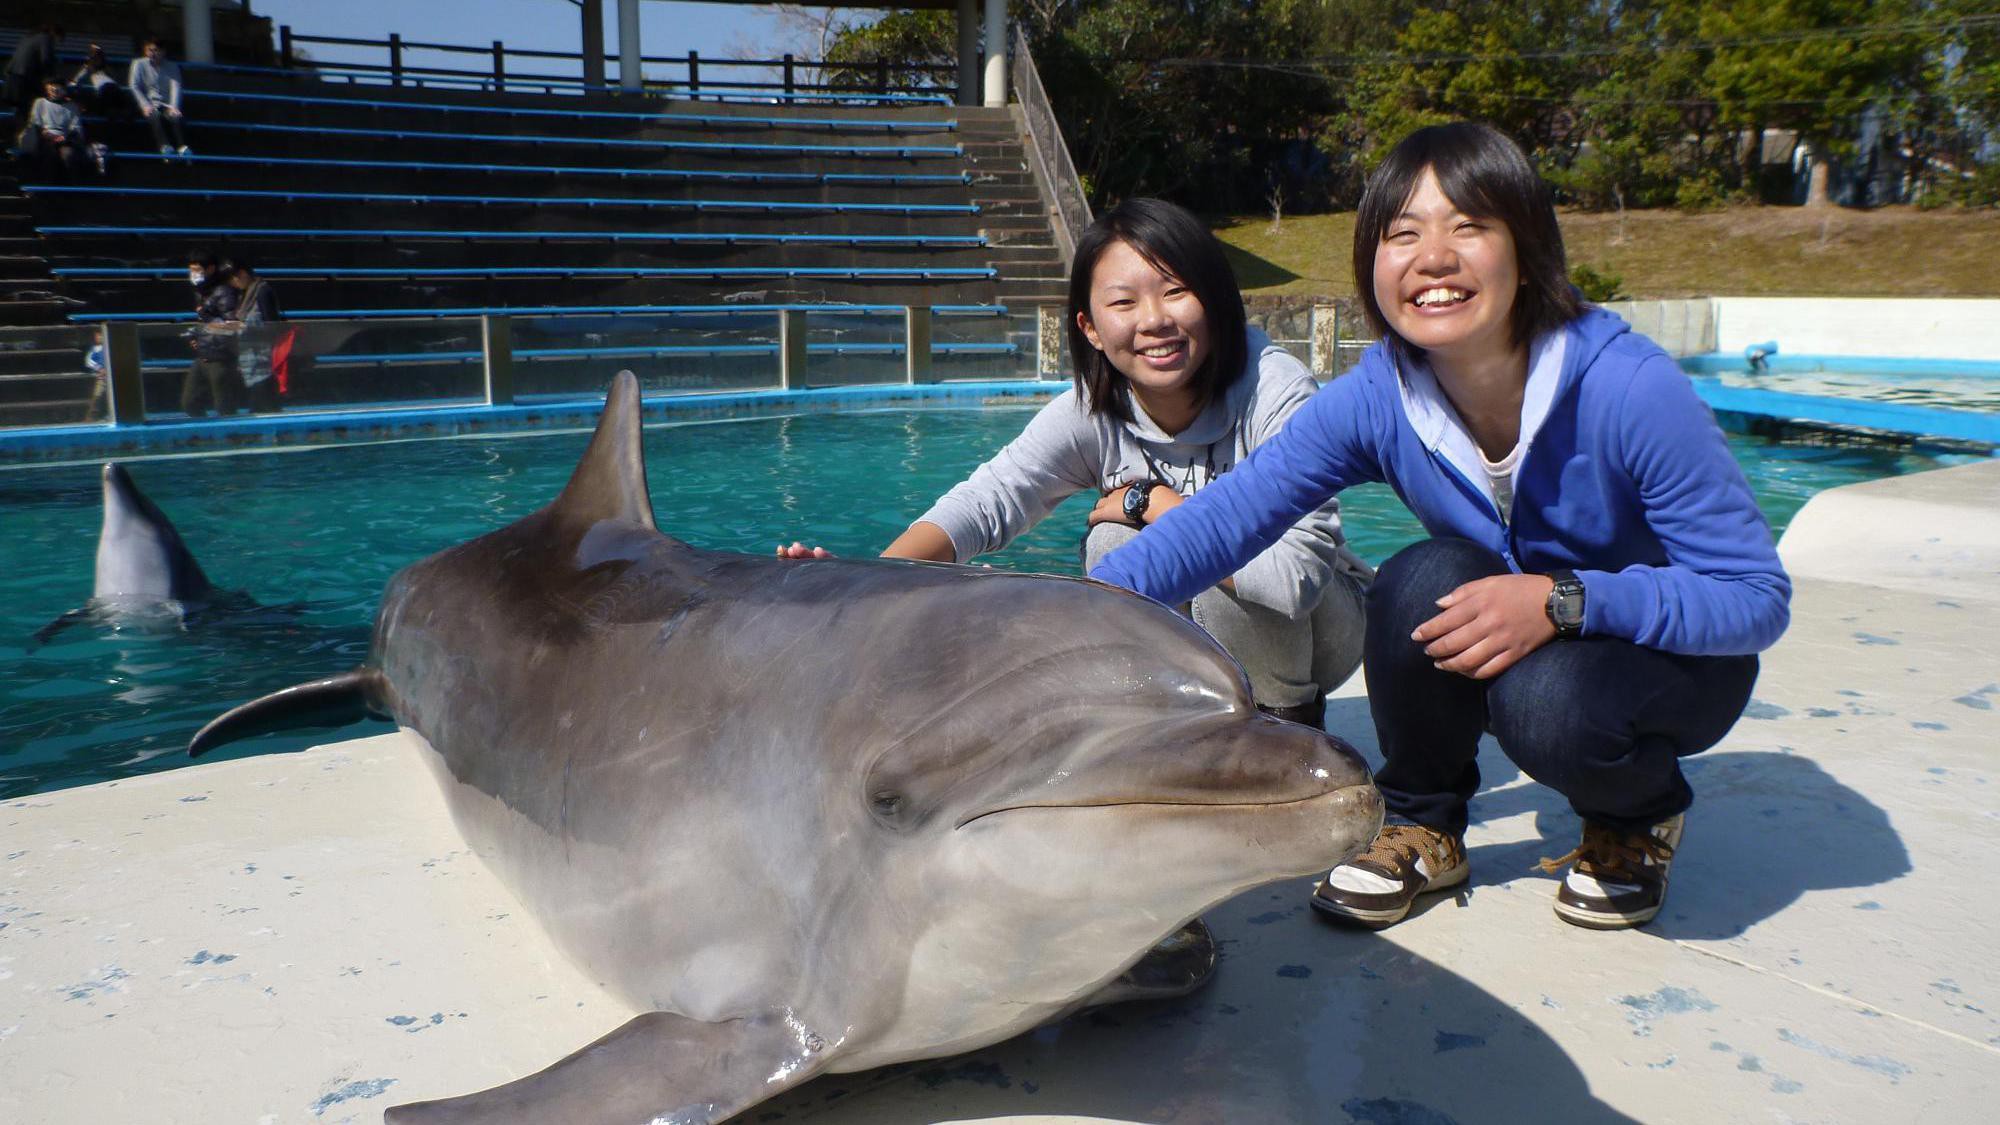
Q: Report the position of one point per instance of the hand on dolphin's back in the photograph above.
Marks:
(799, 550)
(839, 815)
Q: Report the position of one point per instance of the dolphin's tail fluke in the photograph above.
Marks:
(334, 702)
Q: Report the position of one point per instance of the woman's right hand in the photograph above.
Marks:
(800, 551)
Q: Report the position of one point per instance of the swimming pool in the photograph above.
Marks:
(315, 532)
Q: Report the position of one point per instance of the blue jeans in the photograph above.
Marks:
(1602, 721)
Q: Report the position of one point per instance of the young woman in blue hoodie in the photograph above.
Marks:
(1598, 579)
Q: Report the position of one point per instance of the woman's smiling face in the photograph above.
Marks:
(1147, 322)
(1446, 282)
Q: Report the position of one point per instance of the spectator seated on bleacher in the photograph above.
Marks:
(155, 83)
(93, 87)
(53, 144)
(34, 59)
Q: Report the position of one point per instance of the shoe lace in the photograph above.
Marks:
(1612, 852)
(1399, 845)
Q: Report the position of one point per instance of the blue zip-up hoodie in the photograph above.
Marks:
(1626, 480)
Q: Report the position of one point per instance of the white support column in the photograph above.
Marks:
(996, 52)
(630, 76)
(968, 52)
(198, 31)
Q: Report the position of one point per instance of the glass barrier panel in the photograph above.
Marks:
(982, 346)
(847, 348)
(671, 353)
(51, 376)
(197, 371)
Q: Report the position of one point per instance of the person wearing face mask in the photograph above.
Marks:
(1171, 390)
(213, 379)
(1600, 578)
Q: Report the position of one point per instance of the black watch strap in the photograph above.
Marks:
(1565, 604)
(1138, 498)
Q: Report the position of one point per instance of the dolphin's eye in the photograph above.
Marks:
(887, 804)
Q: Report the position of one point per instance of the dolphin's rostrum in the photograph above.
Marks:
(821, 815)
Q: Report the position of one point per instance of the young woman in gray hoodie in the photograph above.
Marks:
(1171, 390)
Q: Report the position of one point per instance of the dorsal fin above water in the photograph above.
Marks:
(610, 481)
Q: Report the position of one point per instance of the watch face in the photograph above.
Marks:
(1569, 605)
(1136, 498)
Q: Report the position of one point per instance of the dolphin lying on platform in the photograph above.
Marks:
(818, 816)
(142, 565)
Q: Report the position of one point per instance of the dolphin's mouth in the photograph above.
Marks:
(1136, 803)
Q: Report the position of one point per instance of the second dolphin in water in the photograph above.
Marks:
(818, 816)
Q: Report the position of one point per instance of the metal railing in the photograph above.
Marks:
(773, 78)
(1062, 190)
(126, 372)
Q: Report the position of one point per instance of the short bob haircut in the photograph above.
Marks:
(1176, 243)
(1487, 176)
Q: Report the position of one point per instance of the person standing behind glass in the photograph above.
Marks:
(155, 83)
(257, 313)
(213, 378)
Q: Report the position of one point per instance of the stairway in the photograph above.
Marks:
(42, 379)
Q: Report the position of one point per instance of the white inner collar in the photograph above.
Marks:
(1442, 431)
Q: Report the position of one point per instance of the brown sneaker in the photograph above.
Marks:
(1619, 879)
(1375, 889)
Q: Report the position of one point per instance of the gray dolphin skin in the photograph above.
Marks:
(820, 815)
(142, 565)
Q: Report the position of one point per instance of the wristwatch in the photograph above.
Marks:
(1565, 605)
(1137, 499)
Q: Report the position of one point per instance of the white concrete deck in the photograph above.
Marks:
(305, 938)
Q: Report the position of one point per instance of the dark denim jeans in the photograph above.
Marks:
(1602, 721)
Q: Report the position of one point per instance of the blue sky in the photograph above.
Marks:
(713, 30)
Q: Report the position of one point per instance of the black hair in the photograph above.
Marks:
(1487, 176)
(203, 258)
(239, 264)
(1173, 241)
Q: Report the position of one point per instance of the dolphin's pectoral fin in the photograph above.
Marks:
(659, 1068)
(48, 632)
(1178, 965)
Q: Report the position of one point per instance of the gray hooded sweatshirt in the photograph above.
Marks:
(1066, 449)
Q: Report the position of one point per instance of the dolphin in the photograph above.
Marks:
(814, 816)
(142, 565)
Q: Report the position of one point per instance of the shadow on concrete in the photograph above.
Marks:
(1254, 271)
(1305, 1023)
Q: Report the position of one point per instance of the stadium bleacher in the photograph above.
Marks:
(365, 201)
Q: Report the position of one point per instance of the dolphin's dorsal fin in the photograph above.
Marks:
(610, 481)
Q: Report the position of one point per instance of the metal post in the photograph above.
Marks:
(121, 361)
(996, 53)
(395, 59)
(496, 342)
(630, 76)
(499, 65)
(917, 344)
(1048, 342)
(788, 76)
(593, 42)
(1325, 363)
(792, 349)
(694, 72)
(285, 46)
(968, 52)
(197, 31)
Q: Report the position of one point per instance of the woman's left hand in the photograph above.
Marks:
(1489, 624)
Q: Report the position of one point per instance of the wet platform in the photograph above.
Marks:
(305, 937)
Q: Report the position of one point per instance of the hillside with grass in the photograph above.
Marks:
(1741, 251)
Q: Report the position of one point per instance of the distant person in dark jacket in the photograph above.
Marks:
(34, 59)
(213, 378)
(93, 86)
(155, 83)
(257, 316)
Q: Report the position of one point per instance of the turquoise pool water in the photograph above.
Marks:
(315, 533)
